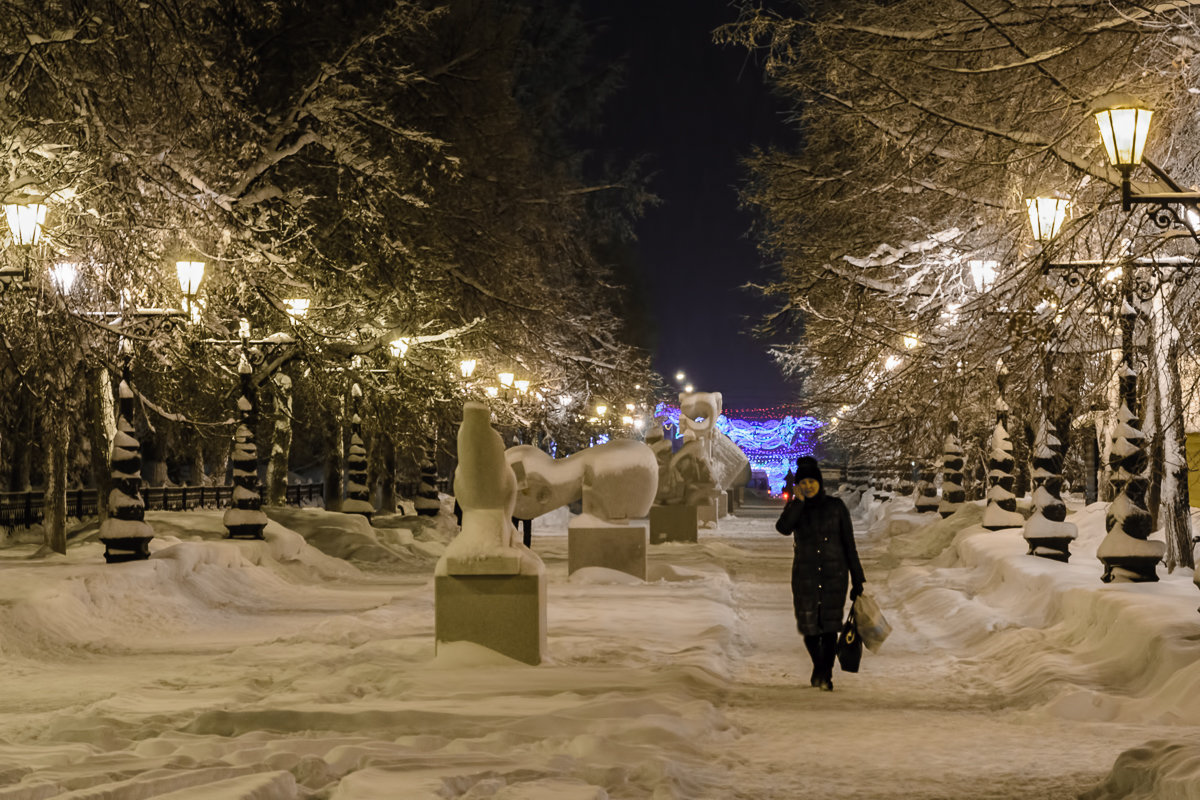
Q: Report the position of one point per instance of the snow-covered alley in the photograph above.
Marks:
(304, 666)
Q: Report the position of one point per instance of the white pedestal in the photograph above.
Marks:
(505, 613)
(619, 547)
(673, 524)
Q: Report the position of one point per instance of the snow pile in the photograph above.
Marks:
(389, 540)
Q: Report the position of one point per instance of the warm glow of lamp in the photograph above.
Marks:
(601, 409)
(398, 347)
(1124, 123)
(689, 388)
(983, 273)
(522, 386)
(493, 391)
(506, 379)
(1046, 216)
(297, 307)
(680, 377)
(190, 273)
(63, 275)
(25, 219)
(467, 367)
(244, 328)
(626, 420)
(892, 362)
(911, 341)
(630, 407)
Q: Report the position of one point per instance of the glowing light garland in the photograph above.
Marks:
(772, 445)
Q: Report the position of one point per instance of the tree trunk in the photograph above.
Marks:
(1173, 502)
(102, 429)
(281, 441)
(334, 473)
(387, 477)
(20, 480)
(54, 505)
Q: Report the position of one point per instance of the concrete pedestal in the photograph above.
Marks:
(673, 524)
(722, 504)
(505, 613)
(619, 547)
(707, 513)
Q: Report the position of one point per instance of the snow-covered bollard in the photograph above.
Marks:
(244, 519)
(1049, 536)
(488, 587)
(358, 493)
(125, 533)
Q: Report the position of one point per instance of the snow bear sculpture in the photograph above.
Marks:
(616, 480)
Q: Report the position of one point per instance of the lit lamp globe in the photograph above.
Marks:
(1124, 123)
(398, 347)
(983, 273)
(1047, 215)
(466, 367)
(506, 379)
(26, 215)
(297, 307)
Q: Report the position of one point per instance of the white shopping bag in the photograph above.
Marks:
(872, 627)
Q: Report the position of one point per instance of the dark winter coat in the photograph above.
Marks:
(825, 555)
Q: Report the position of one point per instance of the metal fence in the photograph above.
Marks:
(24, 509)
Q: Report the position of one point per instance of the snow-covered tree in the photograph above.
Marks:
(244, 519)
(125, 533)
(953, 495)
(927, 496)
(1001, 511)
(358, 492)
(1126, 551)
(1046, 530)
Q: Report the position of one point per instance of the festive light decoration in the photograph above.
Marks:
(771, 440)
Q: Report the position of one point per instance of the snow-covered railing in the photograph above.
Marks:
(24, 509)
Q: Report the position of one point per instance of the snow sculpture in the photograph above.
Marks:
(488, 587)
(486, 489)
(953, 494)
(358, 494)
(1126, 552)
(1001, 511)
(245, 519)
(125, 533)
(1046, 531)
(617, 480)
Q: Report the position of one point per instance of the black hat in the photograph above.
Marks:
(807, 467)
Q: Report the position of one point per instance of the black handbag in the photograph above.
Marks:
(849, 645)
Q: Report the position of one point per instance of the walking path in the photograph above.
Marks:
(932, 715)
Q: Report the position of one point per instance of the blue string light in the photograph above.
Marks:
(771, 444)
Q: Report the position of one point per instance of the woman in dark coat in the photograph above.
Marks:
(825, 556)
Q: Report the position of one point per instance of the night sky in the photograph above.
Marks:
(694, 109)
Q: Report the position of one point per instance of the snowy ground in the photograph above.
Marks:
(304, 667)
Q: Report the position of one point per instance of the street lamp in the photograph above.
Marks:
(1124, 123)
(399, 347)
(26, 216)
(466, 367)
(1046, 216)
